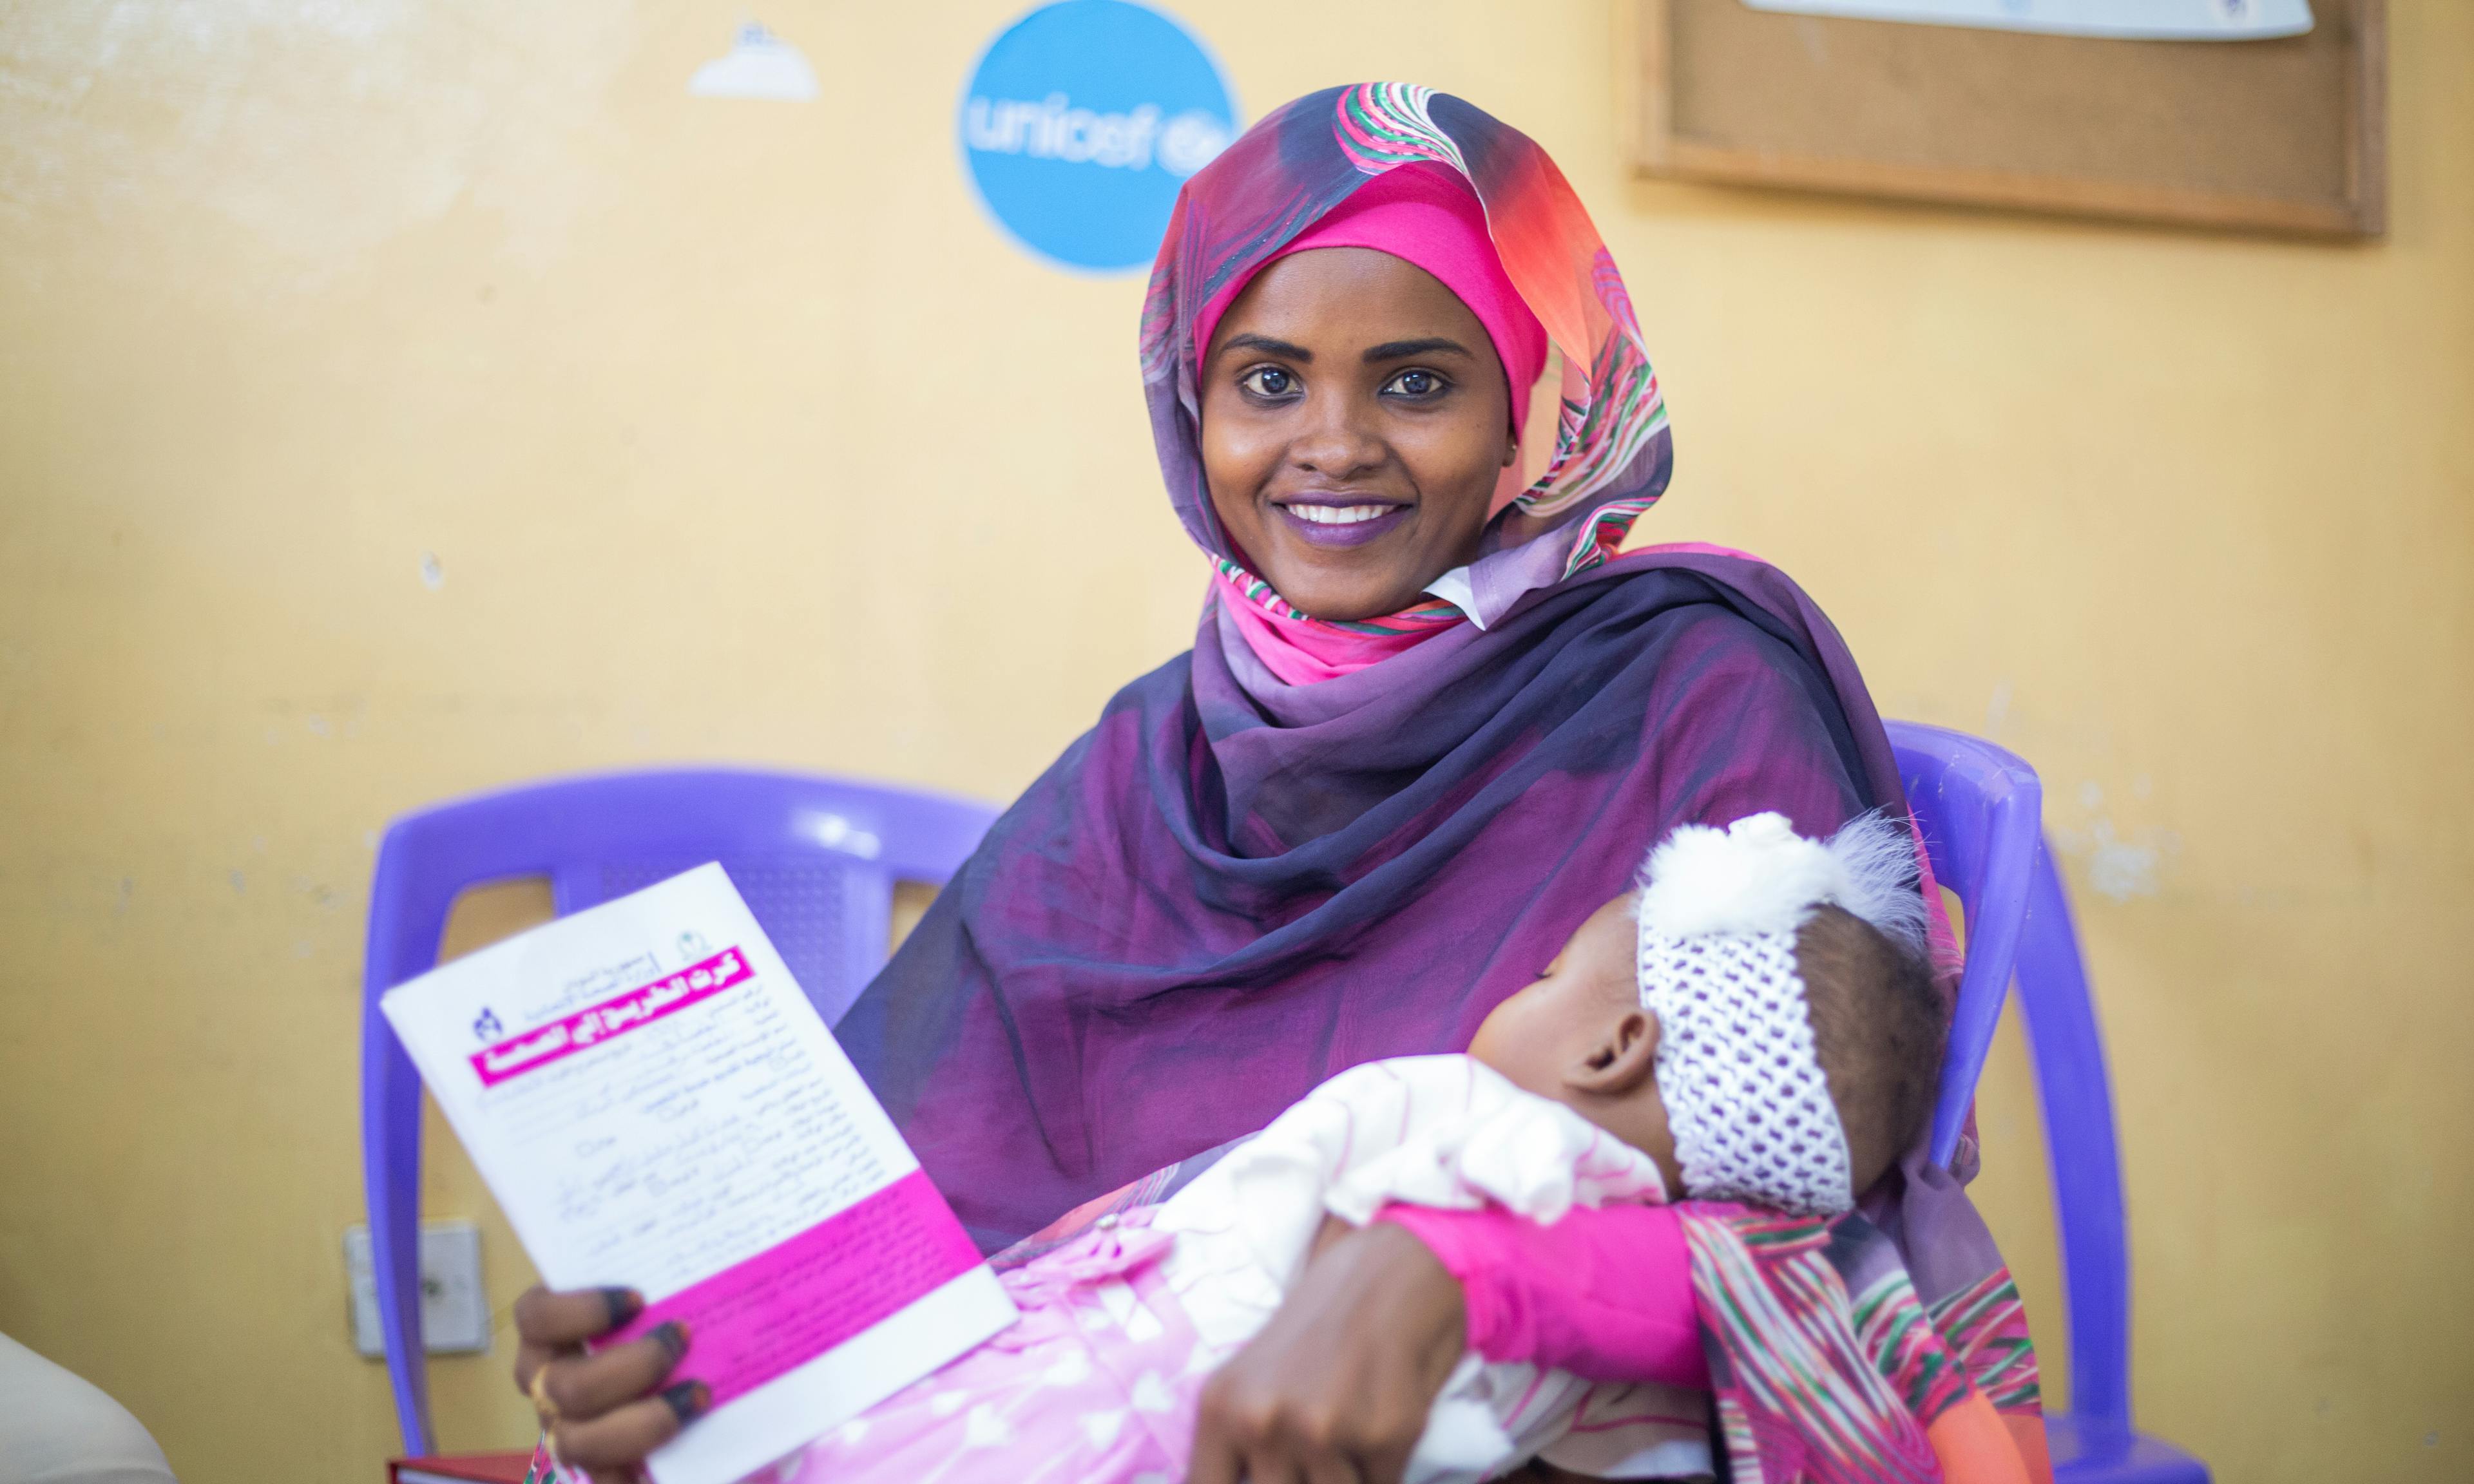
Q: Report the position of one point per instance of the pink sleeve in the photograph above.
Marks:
(1604, 1293)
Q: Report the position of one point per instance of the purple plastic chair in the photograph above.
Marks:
(1979, 809)
(816, 860)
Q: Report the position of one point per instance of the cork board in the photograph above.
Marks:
(2279, 135)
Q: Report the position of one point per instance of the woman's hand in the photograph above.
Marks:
(1336, 1388)
(602, 1414)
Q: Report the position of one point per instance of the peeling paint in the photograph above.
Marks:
(2120, 866)
(2118, 869)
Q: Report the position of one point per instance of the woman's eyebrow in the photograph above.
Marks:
(1267, 345)
(1395, 349)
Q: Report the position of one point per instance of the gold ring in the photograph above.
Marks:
(542, 1404)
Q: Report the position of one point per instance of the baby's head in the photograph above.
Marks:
(1759, 1018)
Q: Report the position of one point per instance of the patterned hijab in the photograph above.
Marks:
(1613, 452)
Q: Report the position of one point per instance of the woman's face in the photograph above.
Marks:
(1354, 423)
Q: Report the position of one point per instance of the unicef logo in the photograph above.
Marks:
(1082, 121)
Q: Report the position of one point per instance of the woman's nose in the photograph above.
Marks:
(1338, 440)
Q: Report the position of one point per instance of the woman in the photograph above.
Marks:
(1429, 723)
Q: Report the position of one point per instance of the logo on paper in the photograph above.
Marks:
(1082, 121)
(486, 1027)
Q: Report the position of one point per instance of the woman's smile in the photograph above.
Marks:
(1341, 519)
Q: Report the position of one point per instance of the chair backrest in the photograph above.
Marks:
(1978, 809)
(816, 860)
(2076, 1096)
(1981, 811)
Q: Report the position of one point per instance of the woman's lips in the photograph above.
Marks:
(1330, 523)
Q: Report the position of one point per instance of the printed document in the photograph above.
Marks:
(656, 1105)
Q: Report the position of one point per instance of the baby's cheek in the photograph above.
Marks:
(1502, 1021)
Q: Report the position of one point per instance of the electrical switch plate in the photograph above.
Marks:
(455, 1306)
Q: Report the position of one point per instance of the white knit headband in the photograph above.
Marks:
(1745, 1097)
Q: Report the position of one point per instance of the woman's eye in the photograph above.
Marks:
(1416, 384)
(1267, 381)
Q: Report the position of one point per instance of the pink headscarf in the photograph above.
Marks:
(1427, 215)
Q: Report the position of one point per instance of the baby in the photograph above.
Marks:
(1758, 1023)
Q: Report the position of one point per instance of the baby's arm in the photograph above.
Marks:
(1606, 1293)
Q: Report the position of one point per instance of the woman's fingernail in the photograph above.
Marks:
(674, 1339)
(687, 1400)
(625, 1303)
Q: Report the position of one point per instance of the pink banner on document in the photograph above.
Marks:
(616, 1015)
(789, 1304)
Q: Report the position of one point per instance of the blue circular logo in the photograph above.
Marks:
(1082, 120)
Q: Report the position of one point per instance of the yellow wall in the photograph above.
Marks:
(727, 424)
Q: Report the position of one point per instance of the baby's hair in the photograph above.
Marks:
(1878, 1028)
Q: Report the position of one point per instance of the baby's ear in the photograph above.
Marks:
(1619, 1062)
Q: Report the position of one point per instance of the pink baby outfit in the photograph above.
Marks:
(1097, 1381)
(1606, 1295)
(1122, 1326)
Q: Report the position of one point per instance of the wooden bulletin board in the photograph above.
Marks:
(2280, 135)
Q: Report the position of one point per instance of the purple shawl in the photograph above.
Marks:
(1221, 896)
